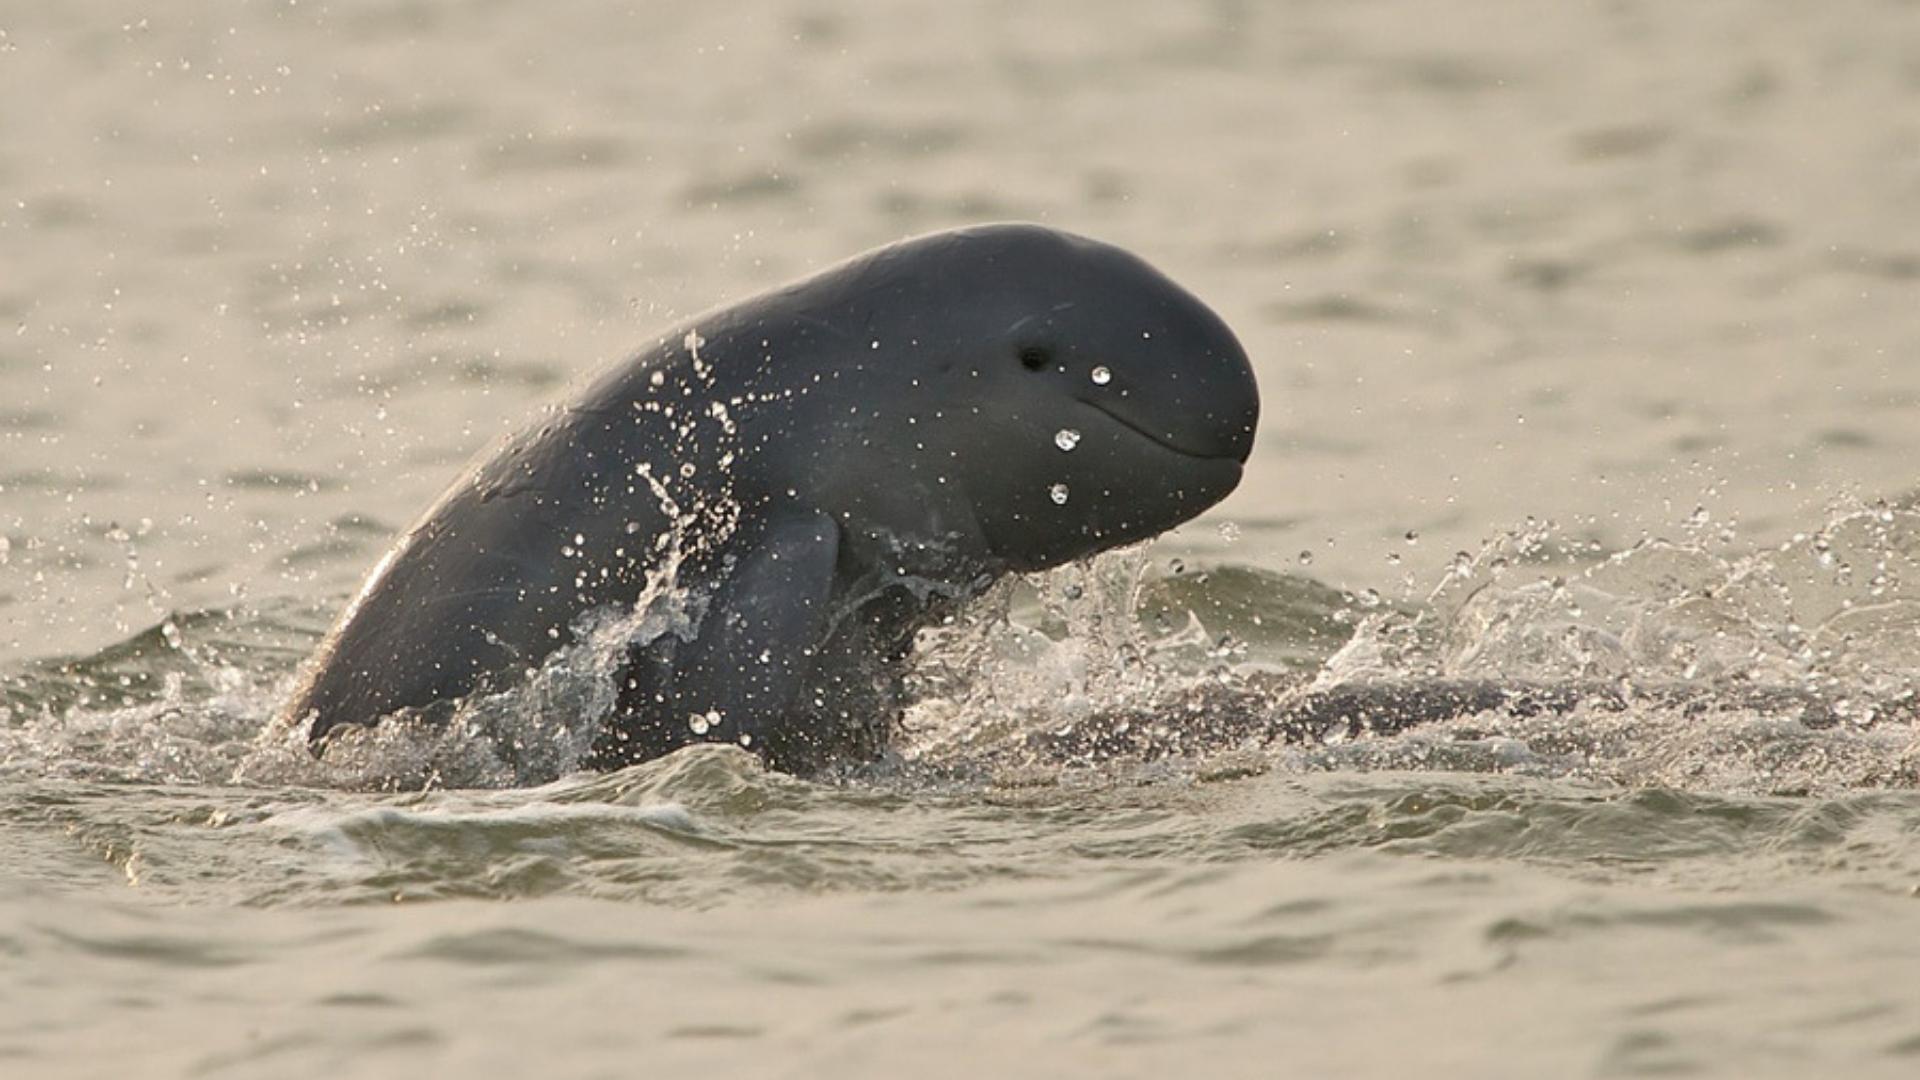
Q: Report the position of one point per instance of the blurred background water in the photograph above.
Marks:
(1588, 347)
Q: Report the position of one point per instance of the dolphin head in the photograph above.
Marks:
(1000, 397)
(1075, 397)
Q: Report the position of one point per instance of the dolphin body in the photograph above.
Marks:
(824, 468)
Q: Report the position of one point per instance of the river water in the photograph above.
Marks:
(1588, 344)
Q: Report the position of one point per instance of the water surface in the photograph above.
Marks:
(1586, 339)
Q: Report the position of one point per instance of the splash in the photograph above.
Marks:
(532, 733)
(1697, 664)
(1108, 640)
(1689, 663)
(1798, 618)
(197, 700)
(1685, 663)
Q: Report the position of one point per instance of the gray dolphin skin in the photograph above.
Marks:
(823, 469)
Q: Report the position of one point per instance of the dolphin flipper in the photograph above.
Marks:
(743, 673)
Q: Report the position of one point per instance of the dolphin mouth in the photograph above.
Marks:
(1162, 441)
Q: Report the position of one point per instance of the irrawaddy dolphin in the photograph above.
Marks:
(825, 468)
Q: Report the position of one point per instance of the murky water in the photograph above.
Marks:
(1589, 354)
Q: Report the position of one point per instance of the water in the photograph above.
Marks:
(1586, 341)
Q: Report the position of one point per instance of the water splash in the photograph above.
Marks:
(1686, 663)
(1098, 639)
(1690, 663)
(1528, 607)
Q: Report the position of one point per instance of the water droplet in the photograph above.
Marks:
(1306, 557)
(1823, 550)
(1058, 493)
(1066, 438)
(701, 723)
(657, 379)
(1074, 592)
(1177, 566)
(1101, 376)
(170, 634)
(1413, 537)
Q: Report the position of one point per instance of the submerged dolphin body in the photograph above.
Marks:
(824, 468)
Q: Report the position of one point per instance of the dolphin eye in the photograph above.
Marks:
(1036, 357)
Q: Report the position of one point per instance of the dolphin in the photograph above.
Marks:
(823, 469)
